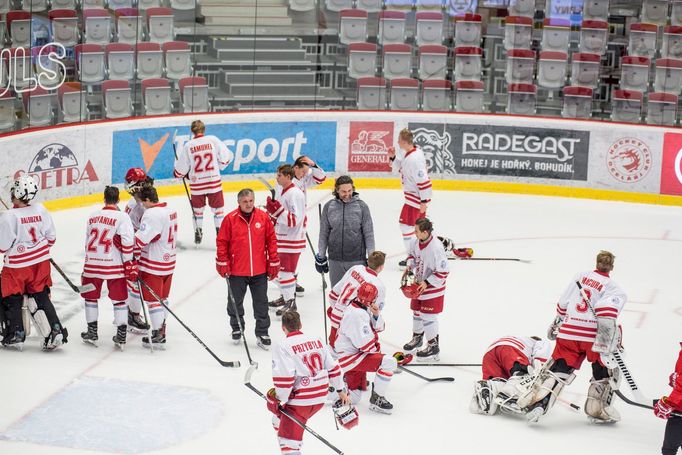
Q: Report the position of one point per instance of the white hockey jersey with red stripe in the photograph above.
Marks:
(302, 369)
(414, 177)
(428, 261)
(346, 290)
(26, 235)
(539, 350)
(290, 224)
(357, 336)
(314, 177)
(202, 158)
(102, 259)
(135, 210)
(156, 238)
(606, 298)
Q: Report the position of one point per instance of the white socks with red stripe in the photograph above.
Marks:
(408, 235)
(430, 322)
(287, 285)
(218, 216)
(91, 311)
(384, 375)
(120, 313)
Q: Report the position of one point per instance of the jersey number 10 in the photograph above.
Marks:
(314, 363)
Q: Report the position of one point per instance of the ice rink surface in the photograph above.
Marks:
(82, 399)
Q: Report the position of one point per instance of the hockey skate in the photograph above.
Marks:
(380, 404)
(264, 342)
(299, 290)
(158, 339)
(276, 303)
(430, 352)
(416, 342)
(288, 305)
(15, 341)
(402, 265)
(198, 236)
(236, 336)
(136, 323)
(120, 338)
(56, 338)
(90, 337)
(484, 399)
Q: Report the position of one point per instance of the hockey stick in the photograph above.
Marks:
(147, 316)
(324, 289)
(268, 186)
(445, 379)
(229, 364)
(642, 405)
(184, 183)
(418, 364)
(230, 301)
(525, 261)
(247, 383)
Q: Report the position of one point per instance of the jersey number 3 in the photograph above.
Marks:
(584, 304)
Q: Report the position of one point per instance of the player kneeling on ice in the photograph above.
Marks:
(585, 328)
(359, 351)
(27, 233)
(108, 258)
(665, 407)
(423, 282)
(302, 370)
(507, 365)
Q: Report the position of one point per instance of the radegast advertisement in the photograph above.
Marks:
(504, 150)
(253, 148)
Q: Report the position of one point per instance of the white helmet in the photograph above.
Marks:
(24, 188)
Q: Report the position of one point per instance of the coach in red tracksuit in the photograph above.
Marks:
(666, 406)
(247, 254)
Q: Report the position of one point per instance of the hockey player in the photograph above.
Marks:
(27, 233)
(424, 284)
(508, 361)
(288, 216)
(346, 289)
(416, 184)
(201, 160)
(108, 258)
(302, 370)
(585, 328)
(156, 240)
(666, 406)
(359, 350)
(136, 179)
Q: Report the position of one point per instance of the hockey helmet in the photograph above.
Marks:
(24, 188)
(409, 287)
(367, 294)
(134, 178)
(346, 415)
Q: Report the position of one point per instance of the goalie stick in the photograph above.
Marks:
(228, 364)
(247, 383)
(642, 405)
(413, 373)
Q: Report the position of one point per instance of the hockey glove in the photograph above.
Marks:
(223, 268)
(131, 271)
(402, 358)
(321, 264)
(273, 207)
(672, 380)
(273, 402)
(662, 409)
(273, 270)
(553, 330)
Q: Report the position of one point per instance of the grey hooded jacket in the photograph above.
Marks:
(346, 230)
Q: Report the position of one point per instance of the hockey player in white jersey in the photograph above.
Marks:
(201, 160)
(424, 282)
(507, 363)
(343, 293)
(108, 259)
(415, 182)
(359, 351)
(27, 233)
(288, 215)
(157, 240)
(136, 179)
(302, 371)
(585, 328)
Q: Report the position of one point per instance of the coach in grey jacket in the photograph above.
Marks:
(346, 231)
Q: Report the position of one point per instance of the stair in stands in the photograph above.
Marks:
(245, 13)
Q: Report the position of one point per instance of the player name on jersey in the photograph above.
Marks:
(307, 346)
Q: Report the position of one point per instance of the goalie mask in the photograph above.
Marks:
(346, 415)
(409, 287)
(24, 189)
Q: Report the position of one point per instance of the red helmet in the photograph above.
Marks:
(346, 415)
(411, 291)
(367, 294)
(134, 177)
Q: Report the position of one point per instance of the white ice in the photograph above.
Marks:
(181, 401)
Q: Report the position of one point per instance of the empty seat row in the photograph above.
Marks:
(37, 6)
(392, 27)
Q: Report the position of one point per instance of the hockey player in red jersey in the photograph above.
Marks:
(665, 407)
(108, 259)
(424, 284)
(288, 215)
(415, 182)
(136, 179)
(157, 241)
(27, 233)
(201, 160)
(585, 328)
(302, 371)
(359, 350)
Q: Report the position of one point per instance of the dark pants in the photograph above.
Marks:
(673, 436)
(259, 295)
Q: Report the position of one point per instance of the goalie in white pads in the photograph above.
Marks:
(302, 371)
(583, 329)
(359, 350)
(507, 363)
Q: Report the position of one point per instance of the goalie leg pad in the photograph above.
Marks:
(43, 302)
(39, 317)
(547, 386)
(600, 396)
(26, 316)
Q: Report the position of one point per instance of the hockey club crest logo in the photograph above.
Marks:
(257, 225)
(56, 166)
(436, 147)
(368, 145)
(305, 381)
(628, 160)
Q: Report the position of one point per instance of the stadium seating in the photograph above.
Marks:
(97, 26)
(468, 63)
(372, 93)
(429, 28)
(468, 30)
(194, 95)
(654, 12)
(160, 25)
(302, 5)
(436, 95)
(120, 61)
(19, 28)
(521, 99)
(8, 112)
(671, 46)
(668, 76)
(404, 94)
(392, 26)
(520, 66)
(593, 37)
(525, 8)
(338, 5)
(65, 30)
(469, 96)
(517, 32)
(397, 61)
(577, 102)
(177, 60)
(555, 35)
(156, 96)
(38, 106)
(148, 60)
(626, 106)
(73, 105)
(662, 109)
(635, 73)
(552, 68)
(362, 60)
(353, 26)
(21, 72)
(642, 41)
(433, 62)
(371, 6)
(585, 69)
(129, 26)
(90, 67)
(117, 99)
(595, 10)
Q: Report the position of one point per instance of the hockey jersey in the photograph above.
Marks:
(202, 158)
(302, 370)
(675, 398)
(533, 350)
(26, 235)
(358, 336)
(135, 210)
(102, 258)
(414, 177)
(579, 322)
(156, 238)
(314, 177)
(346, 290)
(290, 224)
(428, 261)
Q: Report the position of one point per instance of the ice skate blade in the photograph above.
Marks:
(431, 358)
(90, 342)
(16, 346)
(596, 421)
(379, 410)
(263, 346)
(156, 346)
(237, 342)
(119, 346)
(137, 331)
